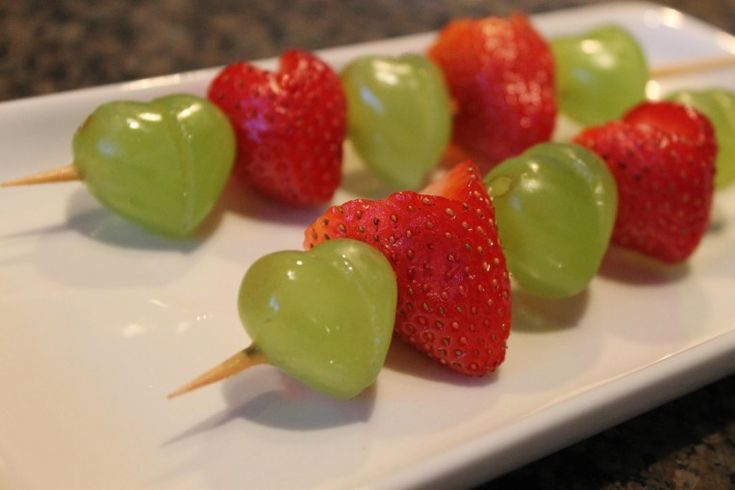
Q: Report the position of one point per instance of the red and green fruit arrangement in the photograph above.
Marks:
(432, 263)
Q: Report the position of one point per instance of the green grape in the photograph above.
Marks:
(325, 317)
(600, 74)
(161, 164)
(398, 116)
(719, 106)
(555, 208)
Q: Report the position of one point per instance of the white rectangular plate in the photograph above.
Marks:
(101, 320)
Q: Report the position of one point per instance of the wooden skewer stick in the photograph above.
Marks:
(60, 174)
(244, 359)
(696, 66)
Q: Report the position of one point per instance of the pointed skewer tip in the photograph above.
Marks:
(60, 174)
(242, 360)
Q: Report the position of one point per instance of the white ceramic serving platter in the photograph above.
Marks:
(100, 320)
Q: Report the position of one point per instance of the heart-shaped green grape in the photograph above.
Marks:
(325, 317)
(399, 118)
(555, 208)
(719, 106)
(161, 164)
(599, 74)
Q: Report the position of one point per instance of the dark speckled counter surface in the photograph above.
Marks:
(61, 45)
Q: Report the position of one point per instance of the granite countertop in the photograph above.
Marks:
(60, 45)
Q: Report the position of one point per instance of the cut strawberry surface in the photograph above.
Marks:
(673, 118)
(459, 184)
(289, 124)
(662, 156)
(500, 74)
(454, 299)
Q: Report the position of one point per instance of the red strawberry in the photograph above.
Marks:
(501, 74)
(662, 156)
(453, 289)
(290, 125)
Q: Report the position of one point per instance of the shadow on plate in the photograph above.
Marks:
(633, 268)
(239, 199)
(89, 218)
(86, 216)
(286, 404)
(542, 315)
(405, 359)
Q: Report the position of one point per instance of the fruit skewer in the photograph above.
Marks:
(500, 75)
(71, 172)
(386, 159)
(602, 73)
(161, 164)
(407, 229)
(257, 356)
(323, 316)
(450, 283)
(222, 87)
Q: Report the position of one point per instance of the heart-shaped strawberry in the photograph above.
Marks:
(453, 288)
(290, 126)
(161, 164)
(500, 73)
(718, 105)
(662, 157)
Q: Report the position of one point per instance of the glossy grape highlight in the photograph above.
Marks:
(600, 74)
(161, 164)
(555, 207)
(398, 116)
(325, 317)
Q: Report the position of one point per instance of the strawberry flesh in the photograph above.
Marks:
(670, 117)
